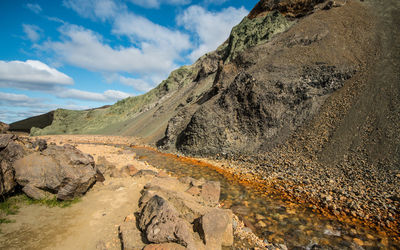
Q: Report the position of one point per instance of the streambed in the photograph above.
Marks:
(271, 218)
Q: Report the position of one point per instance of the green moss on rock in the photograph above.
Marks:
(251, 32)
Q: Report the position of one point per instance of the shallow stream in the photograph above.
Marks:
(272, 219)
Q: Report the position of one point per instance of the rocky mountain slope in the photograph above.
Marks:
(293, 72)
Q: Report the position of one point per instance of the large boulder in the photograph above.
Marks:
(62, 170)
(10, 151)
(216, 228)
(3, 127)
(161, 223)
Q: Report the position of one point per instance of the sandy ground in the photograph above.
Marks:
(91, 223)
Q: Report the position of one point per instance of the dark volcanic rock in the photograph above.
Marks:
(64, 171)
(292, 8)
(250, 115)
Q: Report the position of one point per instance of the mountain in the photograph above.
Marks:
(302, 75)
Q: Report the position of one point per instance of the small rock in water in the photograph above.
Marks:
(332, 232)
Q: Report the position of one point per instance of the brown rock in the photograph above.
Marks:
(195, 191)
(104, 166)
(64, 171)
(164, 246)
(144, 172)
(162, 174)
(130, 236)
(35, 193)
(210, 192)
(160, 222)
(3, 127)
(217, 228)
(10, 151)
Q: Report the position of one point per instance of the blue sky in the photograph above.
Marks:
(80, 54)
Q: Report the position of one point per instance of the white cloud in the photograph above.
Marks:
(33, 32)
(16, 99)
(157, 3)
(107, 96)
(84, 48)
(34, 7)
(31, 74)
(95, 9)
(137, 84)
(212, 28)
(141, 29)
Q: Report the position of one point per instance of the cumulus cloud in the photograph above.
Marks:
(32, 32)
(34, 7)
(157, 3)
(95, 9)
(139, 29)
(31, 74)
(10, 99)
(137, 84)
(106, 96)
(211, 28)
(84, 48)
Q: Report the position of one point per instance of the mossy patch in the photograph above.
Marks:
(251, 32)
(12, 204)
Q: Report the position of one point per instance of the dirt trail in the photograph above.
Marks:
(91, 223)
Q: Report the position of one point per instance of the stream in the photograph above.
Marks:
(270, 218)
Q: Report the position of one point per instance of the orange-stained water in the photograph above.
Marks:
(269, 216)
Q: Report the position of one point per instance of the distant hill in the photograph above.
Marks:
(40, 121)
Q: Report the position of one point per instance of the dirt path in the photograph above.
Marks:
(91, 223)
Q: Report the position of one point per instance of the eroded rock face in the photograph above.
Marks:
(160, 221)
(64, 171)
(292, 8)
(10, 151)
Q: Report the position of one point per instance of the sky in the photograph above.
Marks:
(80, 54)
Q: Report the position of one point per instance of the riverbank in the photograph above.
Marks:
(99, 218)
(282, 183)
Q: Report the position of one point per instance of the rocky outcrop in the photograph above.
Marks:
(10, 150)
(172, 218)
(52, 169)
(161, 223)
(291, 8)
(3, 127)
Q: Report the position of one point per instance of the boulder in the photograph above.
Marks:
(188, 206)
(5, 139)
(39, 144)
(35, 193)
(210, 192)
(216, 228)
(3, 127)
(129, 170)
(104, 167)
(160, 222)
(130, 236)
(62, 170)
(10, 151)
(145, 172)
